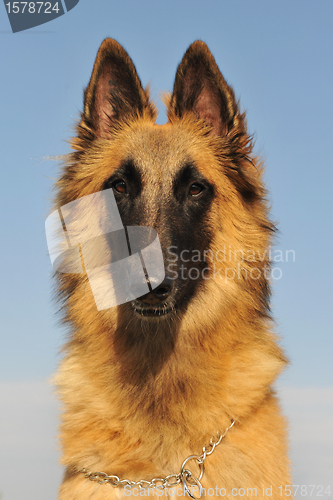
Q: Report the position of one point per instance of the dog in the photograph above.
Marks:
(170, 393)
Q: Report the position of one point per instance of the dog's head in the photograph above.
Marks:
(193, 180)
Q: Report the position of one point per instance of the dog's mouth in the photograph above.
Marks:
(150, 310)
(158, 302)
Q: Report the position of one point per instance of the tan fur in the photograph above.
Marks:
(139, 424)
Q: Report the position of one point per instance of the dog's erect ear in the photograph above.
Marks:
(200, 88)
(114, 91)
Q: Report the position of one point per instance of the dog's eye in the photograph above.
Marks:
(120, 186)
(196, 189)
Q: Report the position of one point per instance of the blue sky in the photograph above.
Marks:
(278, 57)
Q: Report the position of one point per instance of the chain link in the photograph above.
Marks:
(158, 483)
(185, 476)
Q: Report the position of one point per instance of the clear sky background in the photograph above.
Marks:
(278, 56)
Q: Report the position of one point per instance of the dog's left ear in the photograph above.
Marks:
(114, 92)
(201, 89)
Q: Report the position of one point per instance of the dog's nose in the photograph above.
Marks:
(160, 293)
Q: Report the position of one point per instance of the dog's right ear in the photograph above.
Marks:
(114, 92)
(201, 89)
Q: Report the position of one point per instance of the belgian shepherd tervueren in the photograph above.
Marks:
(171, 393)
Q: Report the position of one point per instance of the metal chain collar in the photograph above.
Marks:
(185, 476)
